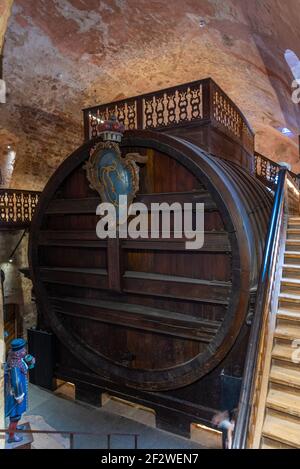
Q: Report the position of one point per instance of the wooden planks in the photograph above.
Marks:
(114, 264)
(285, 400)
(177, 287)
(90, 278)
(137, 317)
(89, 205)
(282, 429)
(287, 330)
(283, 351)
(143, 283)
(282, 374)
(214, 241)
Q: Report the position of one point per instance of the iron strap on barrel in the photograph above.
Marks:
(242, 425)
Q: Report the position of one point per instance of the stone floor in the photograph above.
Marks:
(51, 412)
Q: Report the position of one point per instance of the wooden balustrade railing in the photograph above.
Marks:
(17, 208)
(198, 102)
(267, 171)
(251, 406)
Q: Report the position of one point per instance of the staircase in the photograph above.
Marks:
(281, 426)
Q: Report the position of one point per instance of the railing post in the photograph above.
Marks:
(207, 99)
(2, 360)
(86, 125)
(139, 113)
(108, 440)
(135, 441)
(71, 440)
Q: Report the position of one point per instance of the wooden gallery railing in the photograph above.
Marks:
(17, 208)
(267, 171)
(258, 356)
(198, 102)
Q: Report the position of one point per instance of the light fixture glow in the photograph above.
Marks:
(10, 261)
(286, 131)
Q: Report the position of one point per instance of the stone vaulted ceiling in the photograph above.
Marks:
(63, 55)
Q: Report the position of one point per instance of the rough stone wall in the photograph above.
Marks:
(17, 288)
(63, 55)
(42, 140)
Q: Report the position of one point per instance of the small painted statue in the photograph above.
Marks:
(16, 385)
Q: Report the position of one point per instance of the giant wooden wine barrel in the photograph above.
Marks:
(178, 312)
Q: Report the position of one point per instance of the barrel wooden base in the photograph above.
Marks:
(166, 419)
(25, 443)
(88, 394)
(173, 414)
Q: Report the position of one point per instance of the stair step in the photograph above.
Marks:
(287, 402)
(287, 330)
(294, 221)
(293, 233)
(289, 314)
(292, 244)
(291, 267)
(272, 444)
(283, 352)
(281, 374)
(289, 298)
(292, 254)
(294, 224)
(291, 271)
(292, 257)
(291, 281)
(284, 430)
(290, 284)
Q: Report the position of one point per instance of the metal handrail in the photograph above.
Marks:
(72, 434)
(242, 424)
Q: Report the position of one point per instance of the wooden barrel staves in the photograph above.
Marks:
(178, 312)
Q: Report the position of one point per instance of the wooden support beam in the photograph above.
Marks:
(214, 241)
(137, 317)
(90, 278)
(89, 205)
(143, 283)
(181, 288)
(114, 264)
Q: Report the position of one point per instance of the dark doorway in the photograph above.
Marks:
(12, 323)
